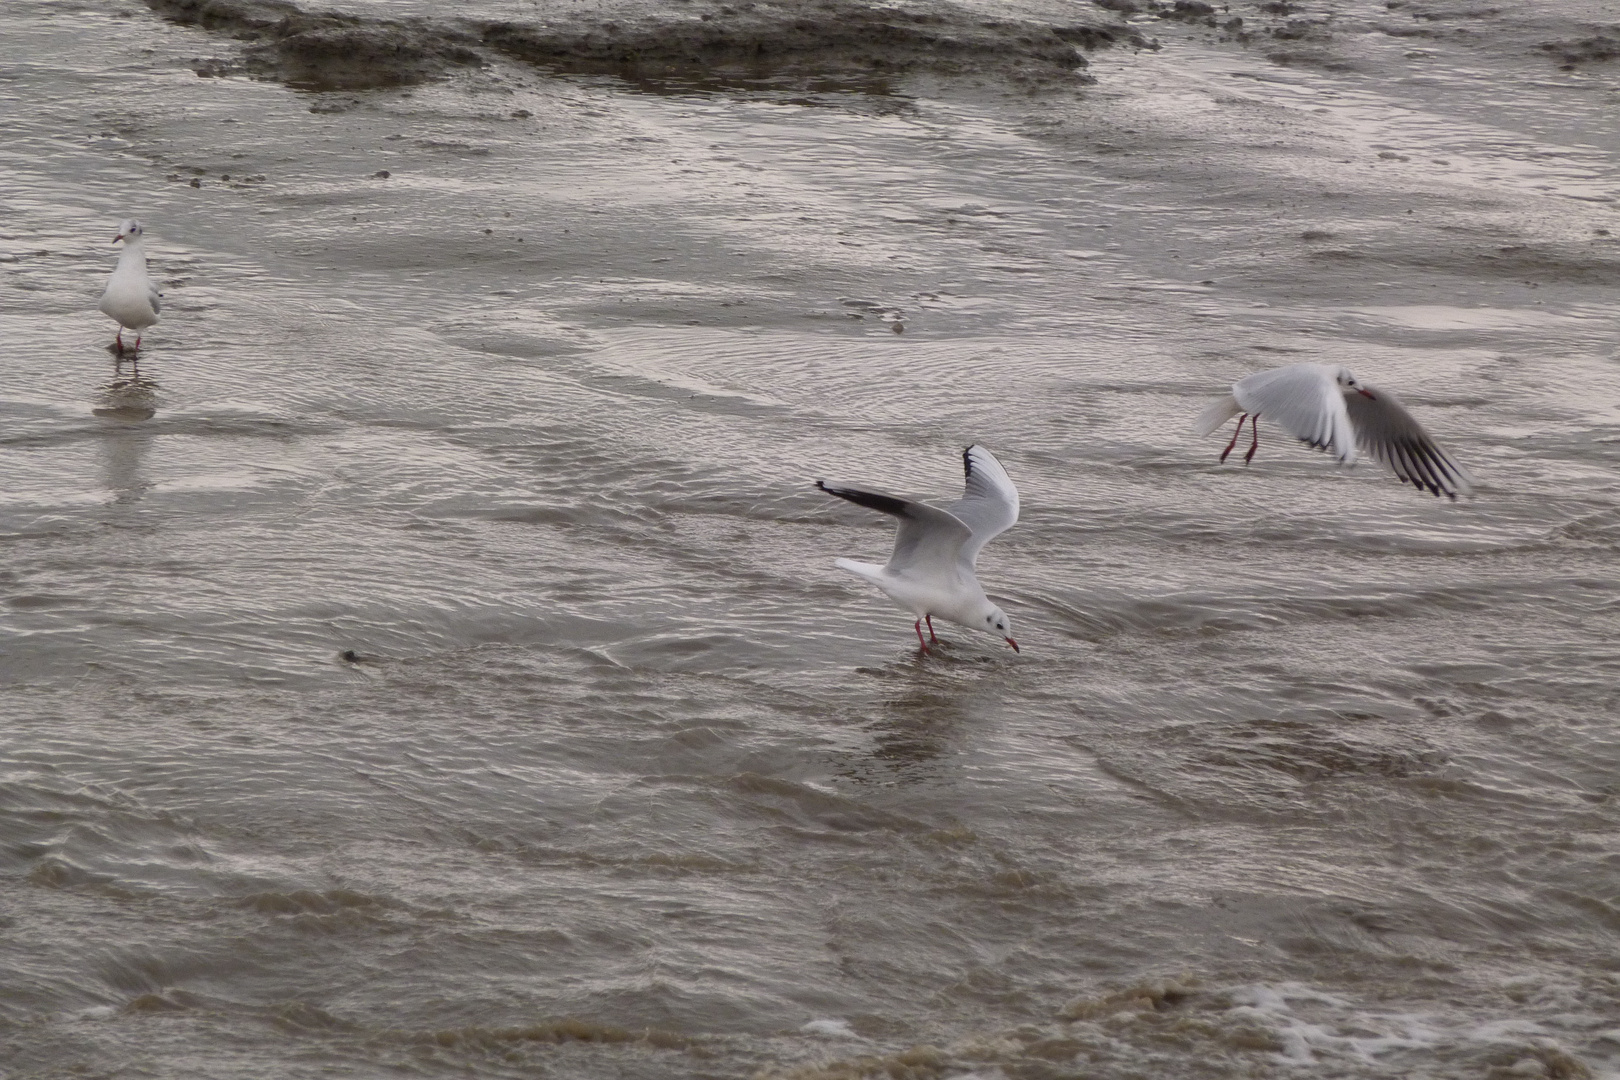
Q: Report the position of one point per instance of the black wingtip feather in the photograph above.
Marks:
(886, 504)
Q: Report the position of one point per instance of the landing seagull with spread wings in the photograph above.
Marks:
(1326, 407)
(931, 571)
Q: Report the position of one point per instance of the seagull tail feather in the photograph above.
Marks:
(864, 569)
(1222, 410)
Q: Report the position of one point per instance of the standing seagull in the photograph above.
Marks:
(931, 570)
(131, 299)
(1324, 406)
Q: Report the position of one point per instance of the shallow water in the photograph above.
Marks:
(1298, 770)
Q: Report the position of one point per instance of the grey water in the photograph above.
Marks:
(428, 660)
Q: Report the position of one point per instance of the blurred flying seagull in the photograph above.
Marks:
(1324, 406)
(931, 570)
(131, 299)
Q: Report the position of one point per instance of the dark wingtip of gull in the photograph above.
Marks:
(886, 504)
(1425, 466)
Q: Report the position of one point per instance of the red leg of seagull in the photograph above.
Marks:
(1254, 426)
(931, 635)
(137, 342)
(120, 339)
(917, 626)
(1235, 435)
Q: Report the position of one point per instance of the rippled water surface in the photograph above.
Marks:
(429, 661)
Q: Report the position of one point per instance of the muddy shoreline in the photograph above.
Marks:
(329, 50)
(864, 44)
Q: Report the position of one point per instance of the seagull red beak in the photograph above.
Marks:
(117, 238)
(1365, 393)
(1013, 643)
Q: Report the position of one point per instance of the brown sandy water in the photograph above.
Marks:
(1299, 772)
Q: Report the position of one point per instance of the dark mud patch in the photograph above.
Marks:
(1307, 41)
(1532, 264)
(857, 43)
(1301, 30)
(1599, 48)
(1193, 11)
(1317, 58)
(1549, 263)
(830, 37)
(323, 50)
(1567, 38)
(1332, 35)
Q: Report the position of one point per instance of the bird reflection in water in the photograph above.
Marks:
(130, 395)
(917, 730)
(126, 402)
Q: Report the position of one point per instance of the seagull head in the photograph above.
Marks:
(996, 622)
(1348, 381)
(129, 230)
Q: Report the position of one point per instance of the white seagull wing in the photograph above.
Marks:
(929, 542)
(989, 502)
(1389, 433)
(1305, 400)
